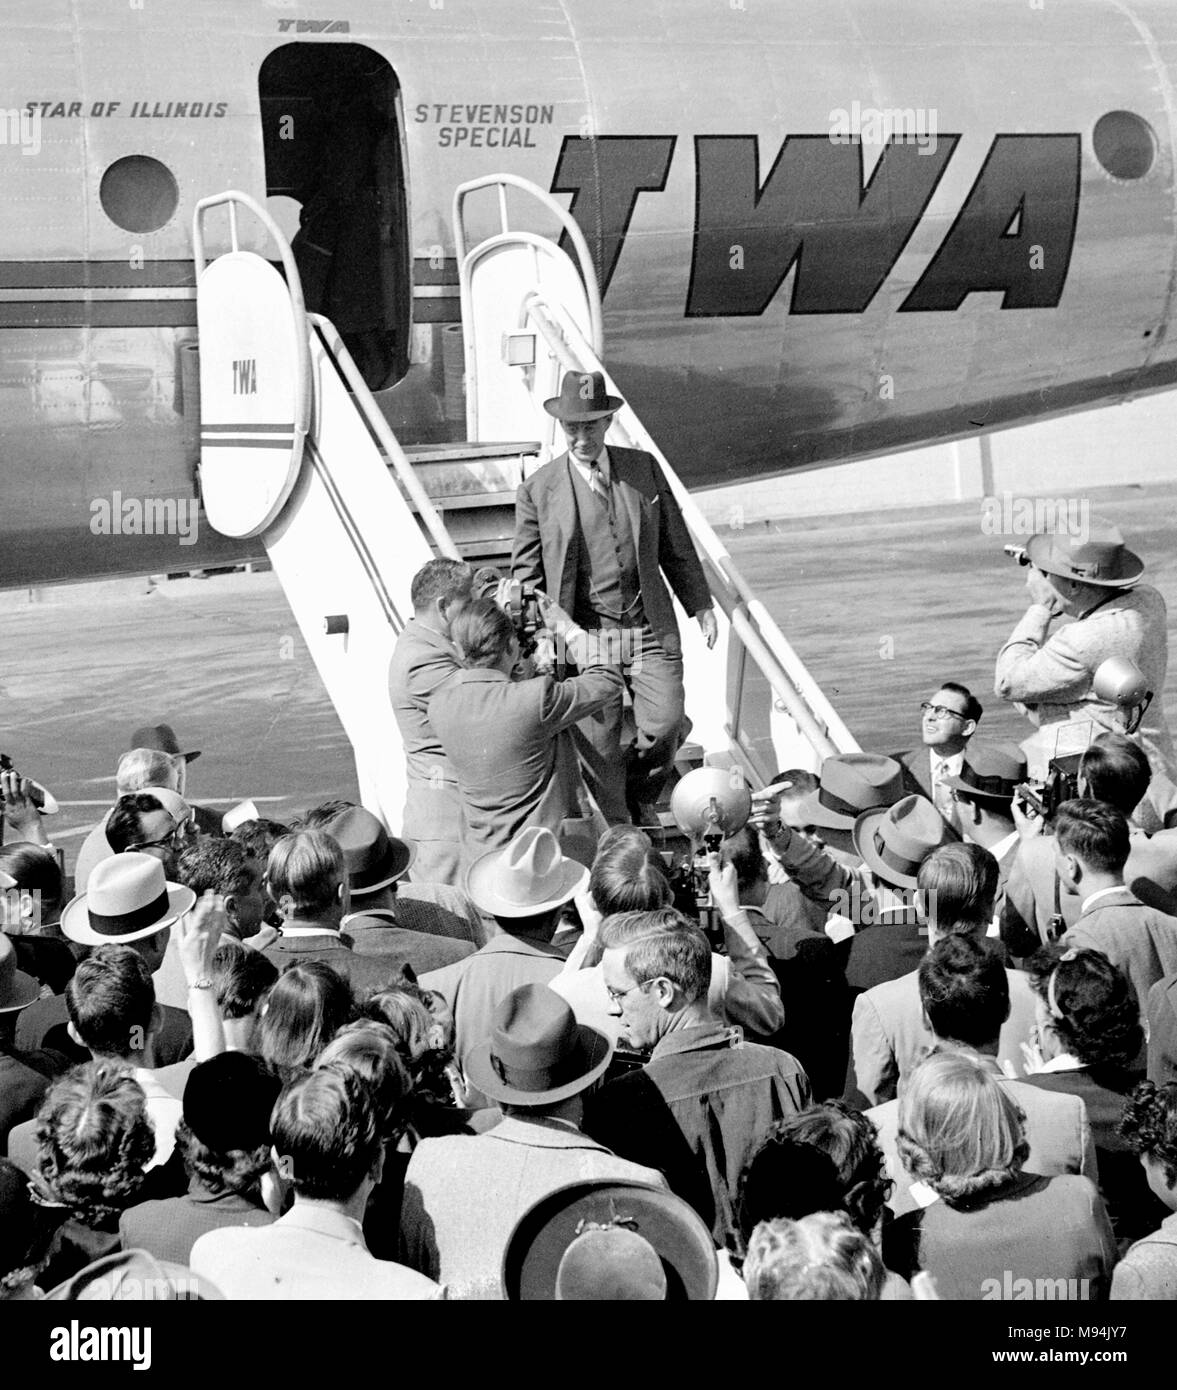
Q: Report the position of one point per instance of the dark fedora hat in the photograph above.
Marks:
(610, 1240)
(1102, 558)
(990, 772)
(537, 1053)
(851, 783)
(894, 841)
(161, 737)
(583, 396)
(373, 857)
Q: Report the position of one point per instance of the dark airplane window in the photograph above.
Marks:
(138, 193)
(329, 124)
(1124, 144)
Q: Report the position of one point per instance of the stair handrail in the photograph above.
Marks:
(385, 436)
(234, 198)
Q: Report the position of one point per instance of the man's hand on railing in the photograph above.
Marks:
(706, 621)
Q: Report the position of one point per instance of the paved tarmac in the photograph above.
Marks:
(881, 607)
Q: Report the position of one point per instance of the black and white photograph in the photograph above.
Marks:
(584, 715)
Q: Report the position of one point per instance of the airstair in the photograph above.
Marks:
(296, 450)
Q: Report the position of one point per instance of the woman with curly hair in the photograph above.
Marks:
(305, 1008)
(995, 1231)
(822, 1257)
(826, 1158)
(1149, 1127)
(94, 1144)
(1089, 1043)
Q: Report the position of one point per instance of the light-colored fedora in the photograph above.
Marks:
(530, 876)
(126, 899)
(894, 841)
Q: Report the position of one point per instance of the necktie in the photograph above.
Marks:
(941, 794)
(599, 486)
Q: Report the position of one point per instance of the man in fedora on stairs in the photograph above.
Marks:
(596, 529)
(523, 888)
(1094, 579)
(464, 1194)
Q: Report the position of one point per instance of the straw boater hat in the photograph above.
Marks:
(583, 396)
(537, 1053)
(373, 857)
(990, 772)
(530, 876)
(126, 899)
(894, 841)
(17, 990)
(850, 784)
(610, 1240)
(1101, 559)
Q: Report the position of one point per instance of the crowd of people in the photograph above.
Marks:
(919, 1040)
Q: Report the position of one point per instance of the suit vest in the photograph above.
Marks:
(607, 583)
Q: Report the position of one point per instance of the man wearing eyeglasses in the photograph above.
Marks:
(949, 720)
(157, 822)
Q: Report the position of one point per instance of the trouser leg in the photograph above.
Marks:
(655, 680)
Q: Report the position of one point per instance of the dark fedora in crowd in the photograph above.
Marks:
(610, 1241)
(162, 738)
(990, 772)
(894, 841)
(17, 990)
(850, 784)
(537, 1053)
(126, 899)
(373, 857)
(583, 396)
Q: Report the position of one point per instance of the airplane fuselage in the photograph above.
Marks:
(821, 231)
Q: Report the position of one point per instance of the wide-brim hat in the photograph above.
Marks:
(17, 990)
(583, 396)
(161, 737)
(126, 899)
(990, 772)
(850, 784)
(537, 1053)
(555, 1250)
(530, 876)
(894, 841)
(134, 1276)
(373, 857)
(1102, 558)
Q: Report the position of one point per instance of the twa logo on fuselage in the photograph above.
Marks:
(816, 211)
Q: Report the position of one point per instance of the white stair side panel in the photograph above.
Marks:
(347, 544)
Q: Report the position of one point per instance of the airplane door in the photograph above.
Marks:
(333, 142)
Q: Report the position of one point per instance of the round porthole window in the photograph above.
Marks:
(1124, 144)
(138, 193)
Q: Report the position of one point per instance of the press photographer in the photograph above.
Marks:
(505, 734)
(1093, 580)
